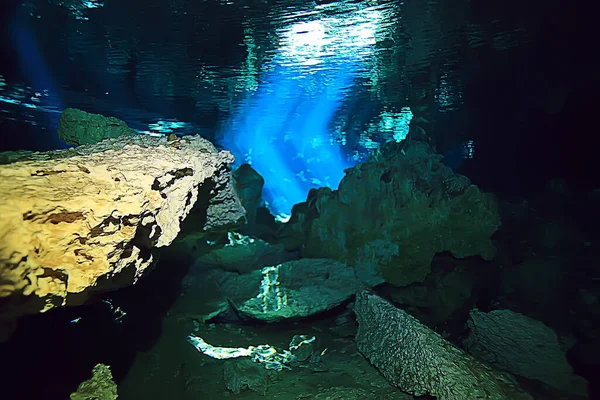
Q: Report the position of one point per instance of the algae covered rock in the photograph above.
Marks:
(100, 387)
(78, 127)
(393, 214)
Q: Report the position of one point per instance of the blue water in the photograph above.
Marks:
(299, 90)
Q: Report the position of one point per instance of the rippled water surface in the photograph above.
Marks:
(197, 61)
(312, 86)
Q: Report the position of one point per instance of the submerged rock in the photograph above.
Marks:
(243, 374)
(419, 361)
(85, 220)
(523, 346)
(77, 127)
(100, 387)
(392, 214)
(244, 254)
(249, 185)
(293, 289)
(202, 297)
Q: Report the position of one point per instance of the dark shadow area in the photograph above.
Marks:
(50, 354)
(531, 110)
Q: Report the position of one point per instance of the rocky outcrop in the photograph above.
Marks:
(523, 346)
(85, 220)
(244, 374)
(249, 185)
(392, 214)
(77, 127)
(417, 360)
(210, 285)
(243, 254)
(224, 210)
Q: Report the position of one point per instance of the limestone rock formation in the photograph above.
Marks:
(224, 210)
(249, 185)
(392, 214)
(78, 127)
(419, 361)
(513, 342)
(204, 296)
(100, 387)
(85, 220)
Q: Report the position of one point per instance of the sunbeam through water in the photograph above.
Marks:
(283, 128)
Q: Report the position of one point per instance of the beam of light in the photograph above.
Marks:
(283, 128)
(34, 65)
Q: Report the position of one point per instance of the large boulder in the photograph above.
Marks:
(85, 220)
(392, 214)
(419, 361)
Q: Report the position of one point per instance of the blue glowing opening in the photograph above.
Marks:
(283, 128)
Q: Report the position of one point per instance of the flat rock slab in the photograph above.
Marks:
(293, 289)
